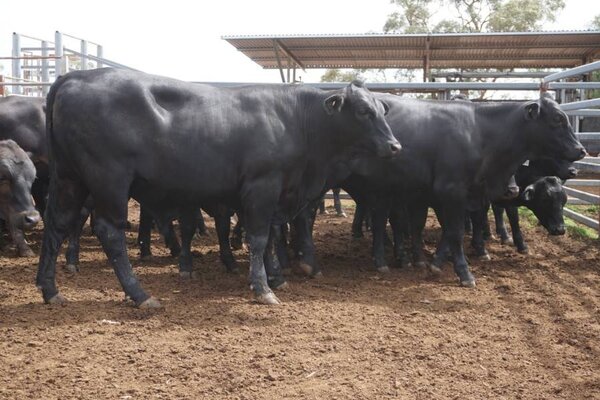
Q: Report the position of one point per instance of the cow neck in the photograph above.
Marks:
(324, 143)
(503, 142)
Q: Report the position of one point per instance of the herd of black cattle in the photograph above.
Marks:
(269, 153)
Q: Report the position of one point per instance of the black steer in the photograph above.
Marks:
(17, 174)
(261, 149)
(453, 150)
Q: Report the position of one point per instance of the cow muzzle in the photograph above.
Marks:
(27, 219)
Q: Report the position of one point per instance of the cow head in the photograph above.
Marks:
(17, 174)
(546, 197)
(363, 118)
(551, 134)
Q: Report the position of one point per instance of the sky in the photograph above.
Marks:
(182, 38)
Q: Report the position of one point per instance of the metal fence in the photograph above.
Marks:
(35, 63)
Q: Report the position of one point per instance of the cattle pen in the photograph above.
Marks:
(530, 329)
(34, 67)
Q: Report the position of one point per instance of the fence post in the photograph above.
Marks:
(99, 54)
(84, 57)
(1, 86)
(59, 64)
(16, 62)
(45, 67)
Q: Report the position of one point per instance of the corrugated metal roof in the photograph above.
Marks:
(445, 50)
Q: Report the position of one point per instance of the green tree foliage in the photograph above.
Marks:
(419, 16)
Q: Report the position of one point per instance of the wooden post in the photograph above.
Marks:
(1, 86)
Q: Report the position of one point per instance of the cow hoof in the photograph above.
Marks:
(71, 268)
(506, 241)
(267, 298)
(286, 271)
(357, 235)
(342, 215)
(151, 302)
(317, 275)
(305, 268)
(145, 257)
(421, 264)
(188, 275)
(235, 270)
(383, 270)
(470, 283)
(523, 251)
(57, 299)
(435, 270)
(485, 257)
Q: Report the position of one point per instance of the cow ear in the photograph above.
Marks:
(334, 103)
(528, 193)
(386, 107)
(532, 110)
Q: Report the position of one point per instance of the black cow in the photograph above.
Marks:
(453, 150)
(545, 197)
(263, 149)
(22, 119)
(17, 174)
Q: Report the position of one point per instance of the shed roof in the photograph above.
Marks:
(443, 50)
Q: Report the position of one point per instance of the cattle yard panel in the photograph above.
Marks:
(34, 67)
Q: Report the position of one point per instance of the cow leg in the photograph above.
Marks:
(399, 222)
(144, 233)
(513, 219)
(468, 224)
(303, 242)
(223, 226)
(65, 200)
(454, 217)
(500, 227)
(477, 241)
(170, 237)
(237, 237)
(281, 246)
(72, 255)
(417, 220)
(322, 207)
(380, 213)
(487, 233)
(271, 260)
(337, 203)
(358, 220)
(109, 226)
(187, 227)
(259, 199)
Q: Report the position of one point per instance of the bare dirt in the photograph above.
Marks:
(530, 330)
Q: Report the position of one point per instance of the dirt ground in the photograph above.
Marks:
(530, 330)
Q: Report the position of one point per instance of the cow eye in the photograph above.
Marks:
(559, 119)
(3, 180)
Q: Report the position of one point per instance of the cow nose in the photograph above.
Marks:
(559, 230)
(395, 147)
(32, 219)
(582, 153)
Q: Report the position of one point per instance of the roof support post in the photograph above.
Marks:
(426, 71)
(276, 51)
